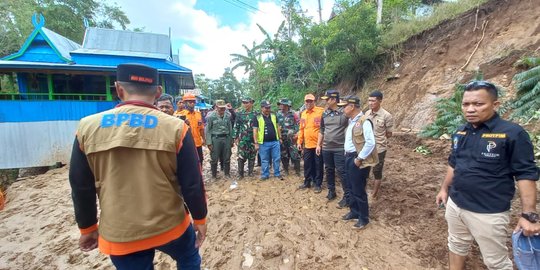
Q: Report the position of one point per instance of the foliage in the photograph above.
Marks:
(526, 105)
(62, 16)
(424, 150)
(227, 87)
(399, 31)
(535, 138)
(449, 116)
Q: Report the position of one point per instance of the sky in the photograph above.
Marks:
(205, 32)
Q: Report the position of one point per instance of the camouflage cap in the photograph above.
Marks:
(284, 101)
(248, 99)
(220, 103)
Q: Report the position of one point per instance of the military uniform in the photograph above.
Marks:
(243, 130)
(289, 128)
(219, 133)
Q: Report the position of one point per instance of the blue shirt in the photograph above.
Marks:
(486, 161)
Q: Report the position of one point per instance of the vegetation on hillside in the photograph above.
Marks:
(307, 56)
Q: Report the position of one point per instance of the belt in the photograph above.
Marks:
(220, 135)
(351, 154)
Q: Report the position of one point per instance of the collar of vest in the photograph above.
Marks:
(136, 103)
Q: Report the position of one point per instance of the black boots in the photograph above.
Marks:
(213, 168)
(227, 169)
(251, 164)
(296, 164)
(241, 163)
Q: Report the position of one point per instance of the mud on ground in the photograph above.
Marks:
(259, 225)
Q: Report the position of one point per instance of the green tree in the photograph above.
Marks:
(62, 16)
(526, 105)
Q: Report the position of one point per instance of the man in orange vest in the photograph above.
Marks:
(310, 122)
(194, 120)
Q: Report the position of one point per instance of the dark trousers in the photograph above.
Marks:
(357, 178)
(182, 250)
(313, 167)
(335, 160)
(200, 153)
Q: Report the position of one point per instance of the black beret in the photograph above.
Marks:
(137, 73)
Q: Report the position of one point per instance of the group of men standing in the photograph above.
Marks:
(139, 163)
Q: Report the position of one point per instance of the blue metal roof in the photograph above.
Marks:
(58, 45)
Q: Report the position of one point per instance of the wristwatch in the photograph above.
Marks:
(531, 217)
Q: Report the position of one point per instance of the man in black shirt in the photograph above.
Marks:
(266, 137)
(488, 156)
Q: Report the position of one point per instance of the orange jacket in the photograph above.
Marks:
(195, 121)
(310, 122)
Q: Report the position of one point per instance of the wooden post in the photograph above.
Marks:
(108, 87)
(50, 86)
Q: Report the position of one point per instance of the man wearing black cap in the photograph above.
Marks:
(266, 136)
(360, 155)
(243, 135)
(383, 124)
(140, 163)
(331, 140)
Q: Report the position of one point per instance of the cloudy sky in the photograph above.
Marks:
(206, 32)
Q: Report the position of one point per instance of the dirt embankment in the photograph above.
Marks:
(430, 63)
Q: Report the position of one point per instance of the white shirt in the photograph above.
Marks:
(368, 136)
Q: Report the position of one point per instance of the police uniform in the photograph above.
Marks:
(139, 161)
(219, 135)
(289, 128)
(243, 130)
(333, 126)
(487, 160)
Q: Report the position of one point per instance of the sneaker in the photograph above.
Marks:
(349, 216)
(342, 204)
(304, 186)
(360, 225)
(331, 195)
(317, 189)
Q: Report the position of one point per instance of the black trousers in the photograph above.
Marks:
(313, 167)
(357, 178)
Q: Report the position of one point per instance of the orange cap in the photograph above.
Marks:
(309, 97)
(189, 96)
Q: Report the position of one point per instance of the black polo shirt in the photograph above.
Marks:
(269, 129)
(486, 161)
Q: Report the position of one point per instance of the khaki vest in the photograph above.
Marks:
(132, 151)
(359, 141)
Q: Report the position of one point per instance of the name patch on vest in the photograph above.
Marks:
(132, 120)
(494, 135)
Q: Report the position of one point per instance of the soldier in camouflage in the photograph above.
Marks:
(287, 120)
(243, 135)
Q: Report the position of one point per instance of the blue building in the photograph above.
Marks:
(59, 81)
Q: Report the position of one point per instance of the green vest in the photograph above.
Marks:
(260, 120)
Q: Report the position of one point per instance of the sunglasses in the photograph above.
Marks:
(480, 84)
